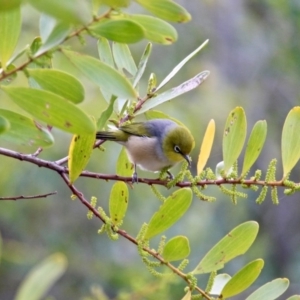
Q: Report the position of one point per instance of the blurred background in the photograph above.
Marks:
(254, 59)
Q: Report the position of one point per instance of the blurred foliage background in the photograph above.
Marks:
(254, 59)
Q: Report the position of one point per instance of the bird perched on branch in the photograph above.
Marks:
(154, 145)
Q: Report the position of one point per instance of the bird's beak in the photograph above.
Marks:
(188, 159)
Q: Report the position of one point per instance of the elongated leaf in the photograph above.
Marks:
(243, 279)
(115, 3)
(290, 141)
(176, 248)
(142, 64)
(124, 166)
(167, 10)
(124, 59)
(25, 131)
(42, 277)
(255, 144)
(121, 31)
(9, 4)
(295, 297)
(80, 151)
(187, 296)
(271, 290)
(10, 26)
(106, 114)
(4, 124)
(68, 11)
(118, 202)
(180, 65)
(235, 243)
(59, 82)
(104, 51)
(170, 212)
(155, 30)
(52, 109)
(219, 283)
(102, 75)
(174, 92)
(234, 136)
(206, 146)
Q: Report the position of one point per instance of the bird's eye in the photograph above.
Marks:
(177, 149)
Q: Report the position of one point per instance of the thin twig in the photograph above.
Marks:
(15, 198)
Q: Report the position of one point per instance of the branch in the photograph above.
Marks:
(14, 198)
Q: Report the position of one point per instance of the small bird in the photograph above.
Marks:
(153, 145)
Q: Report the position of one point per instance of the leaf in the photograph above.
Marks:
(4, 124)
(155, 30)
(10, 27)
(116, 3)
(174, 92)
(235, 243)
(180, 65)
(41, 278)
(68, 11)
(142, 64)
(25, 131)
(9, 4)
(167, 10)
(234, 137)
(187, 296)
(295, 297)
(118, 202)
(206, 146)
(105, 51)
(219, 282)
(106, 114)
(53, 33)
(59, 82)
(169, 212)
(255, 144)
(51, 109)
(290, 141)
(102, 75)
(243, 279)
(123, 58)
(80, 151)
(271, 290)
(176, 248)
(121, 31)
(124, 166)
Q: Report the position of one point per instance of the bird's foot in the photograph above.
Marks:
(135, 177)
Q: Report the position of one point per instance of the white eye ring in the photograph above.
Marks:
(177, 149)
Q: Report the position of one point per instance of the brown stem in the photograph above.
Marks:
(14, 198)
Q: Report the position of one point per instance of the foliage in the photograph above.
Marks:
(51, 99)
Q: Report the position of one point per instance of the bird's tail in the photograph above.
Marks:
(106, 135)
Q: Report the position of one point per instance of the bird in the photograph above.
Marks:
(153, 145)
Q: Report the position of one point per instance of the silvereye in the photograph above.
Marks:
(153, 145)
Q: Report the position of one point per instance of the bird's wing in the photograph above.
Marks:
(137, 128)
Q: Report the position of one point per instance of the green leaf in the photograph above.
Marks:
(52, 109)
(59, 82)
(188, 295)
(53, 32)
(169, 212)
(235, 243)
(124, 166)
(118, 202)
(123, 58)
(176, 248)
(116, 3)
(68, 11)
(10, 27)
(106, 114)
(219, 282)
(9, 4)
(42, 277)
(25, 131)
(167, 10)
(271, 290)
(105, 51)
(295, 297)
(180, 65)
(4, 124)
(243, 279)
(174, 92)
(121, 31)
(102, 75)
(142, 64)
(234, 137)
(290, 141)
(155, 30)
(80, 151)
(255, 144)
